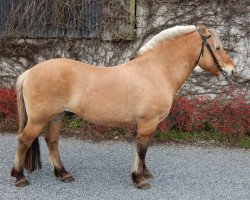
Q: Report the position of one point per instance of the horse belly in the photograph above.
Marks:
(108, 118)
(108, 114)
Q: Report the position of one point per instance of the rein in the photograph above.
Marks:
(204, 42)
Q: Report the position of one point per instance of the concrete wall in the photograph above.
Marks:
(150, 19)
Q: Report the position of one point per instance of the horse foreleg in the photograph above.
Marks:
(140, 173)
(51, 138)
(25, 139)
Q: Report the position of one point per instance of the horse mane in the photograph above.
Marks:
(165, 35)
(215, 37)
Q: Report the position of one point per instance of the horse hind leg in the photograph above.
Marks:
(51, 138)
(140, 173)
(27, 153)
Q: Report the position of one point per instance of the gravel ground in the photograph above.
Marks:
(102, 172)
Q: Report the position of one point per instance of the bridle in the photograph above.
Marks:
(204, 42)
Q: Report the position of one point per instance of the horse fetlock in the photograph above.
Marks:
(21, 181)
(146, 174)
(15, 173)
(57, 172)
(65, 176)
(140, 181)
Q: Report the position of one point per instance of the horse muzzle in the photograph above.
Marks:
(226, 73)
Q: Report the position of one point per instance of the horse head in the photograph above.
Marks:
(213, 57)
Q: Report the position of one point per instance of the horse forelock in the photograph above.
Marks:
(165, 35)
(215, 37)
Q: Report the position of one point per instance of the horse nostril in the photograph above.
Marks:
(232, 73)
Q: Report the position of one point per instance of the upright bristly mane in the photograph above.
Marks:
(215, 37)
(167, 34)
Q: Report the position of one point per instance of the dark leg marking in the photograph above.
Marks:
(140, 177)
(65, 176)
(146, 173)
(21, 181)
(142, 150)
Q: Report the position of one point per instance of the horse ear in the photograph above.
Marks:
(201, 28)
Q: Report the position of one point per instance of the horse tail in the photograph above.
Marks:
(22, 115)
(32, 158)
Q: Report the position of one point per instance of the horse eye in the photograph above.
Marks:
(218, 48)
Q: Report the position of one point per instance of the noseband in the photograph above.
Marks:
(204, 42)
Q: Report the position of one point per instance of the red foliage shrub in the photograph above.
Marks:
(226, 115)
(186, 114)
(232, 115)
(8, 106)
(8, 110)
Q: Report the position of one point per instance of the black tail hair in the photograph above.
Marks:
(33, 159)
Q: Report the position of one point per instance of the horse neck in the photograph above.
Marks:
(176, 60)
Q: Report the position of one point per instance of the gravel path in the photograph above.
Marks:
(102, 172)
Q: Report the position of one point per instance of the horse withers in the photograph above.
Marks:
(138, 92)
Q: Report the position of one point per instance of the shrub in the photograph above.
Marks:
(8, 106)
(8, 110)
(232, 117)
(188, 114)
(226, 115)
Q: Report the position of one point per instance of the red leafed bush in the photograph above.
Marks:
(226, 115)
(8, 106)
(8, 110)
(186, 114)
(232, 116)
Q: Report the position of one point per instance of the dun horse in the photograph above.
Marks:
(139, 92)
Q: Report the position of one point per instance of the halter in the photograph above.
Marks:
(204, 42)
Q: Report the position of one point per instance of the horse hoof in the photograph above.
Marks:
(22, 182)
(68, 178)
(144, 186)
(140, 181)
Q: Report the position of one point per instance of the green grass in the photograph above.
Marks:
(206, 136)
(75, 123)
(245, 143)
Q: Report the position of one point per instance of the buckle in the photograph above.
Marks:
(207, 37)
(224, 73)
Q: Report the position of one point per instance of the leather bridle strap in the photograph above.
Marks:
(204, 42)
